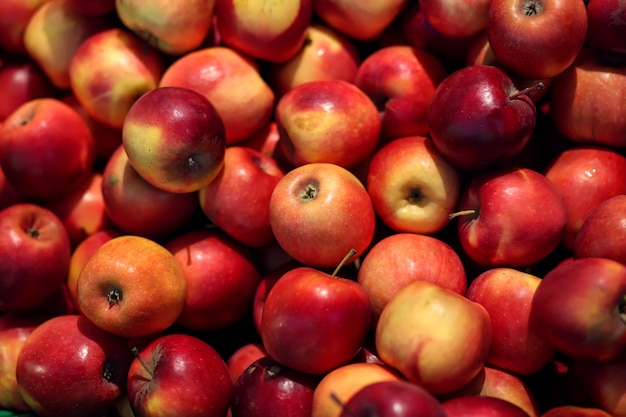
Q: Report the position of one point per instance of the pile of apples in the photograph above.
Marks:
(313, 208)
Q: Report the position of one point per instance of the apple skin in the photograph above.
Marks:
(586, 175)
(327, 121)
(478, 119)
(401, 80)
(440, 352)
(536, 39)
(604, 383)
(597, 332)
(479, 405)
(82, 373)
(412, 187)
(237, 200)
(606, 25)
(137, 207)
(456, 19)
(110, 70)
(401, 258)
(11, 341)
(586, 101)
(172, 28)
(52, 136)
(273, 32)
(132, 287)
(175, 139)
(244, 356)
(303, 312)
(220, 275)
(575, 411)
(35, 257)
(310, 193)
(189, 378)
(603, 233)
(14, 17)
(519, 217)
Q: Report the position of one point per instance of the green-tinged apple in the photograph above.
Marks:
(232, 83)
(270, 31)
(480, 406)
(456, 19)
(575, 411)
(412, 187)
(132, 287)
(580, 308)
(179, 375)
(34, 259)
(510, 217)
(46, 149)
(70, 367)
(221, 278)
(435, 337)
(586, 175)
(237, 200)
(327, 121)
(305, 311)
(110, 70)
(536, 39)
(325, 55)
(604, 383)
(603, 233)
(244, 356)
(507, 295)
(174, 28)
(401, 81)
(319, 211)
(137, 207)
(11, 341)
(53, 50)
(175, 139)
(14, 17)
(401, 258)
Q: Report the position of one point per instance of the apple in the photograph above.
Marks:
(478, 118)
(456, 19)
(172, 28)
(606, 25)
(604, 383)
(272, 32)
(480, 405)
(392, 399)
(92, 7)
(319, 212)
(267, 389)
(586, 104)
(395, 261)
(132, 287)
(175, 139)
(220, 275)
(263, 140)
(401, 81)
(34, 259)
(344, 382)
(11, 341)
(179, 375)
(326, 54)
(435, 337)
(304, 312)
(412, 187)
(603, 233)
(53, 50)
(232, 83)
(586, 175)
(47, 134)
(137, 207)
(596, 332)
(237, 200)
(110, 70)
(244, 356)
(510, 217)
(82, 373)
(575, 411)
(536, 39)
(14, 17)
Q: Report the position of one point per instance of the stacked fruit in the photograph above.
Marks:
(313, 208)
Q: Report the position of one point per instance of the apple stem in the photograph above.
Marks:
(140, 359)
(536, 87)
(462, 213)
(340, 403)
(349, 255)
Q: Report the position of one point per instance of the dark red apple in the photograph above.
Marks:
(481, 406)
(606, 25)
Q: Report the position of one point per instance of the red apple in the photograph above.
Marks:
(604, 383)
(456, 19)
(510, 217)
(14, 17)
(11, 341)
(34, 259)
(319, 212)
(82, 373)
(606, 25)
(181, 375)
(9, 195)
(536, 39)
(575, 411)
(46, 149)
(480, 405)
(263, 140)
(244, 356)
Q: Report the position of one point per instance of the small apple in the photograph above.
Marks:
(603, 233)
(244, 356)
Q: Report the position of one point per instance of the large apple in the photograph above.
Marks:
(435, 337)
(34, 259)
(175, 139)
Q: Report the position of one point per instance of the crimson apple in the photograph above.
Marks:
(480, 405)
(244, 356)
(606, 25)
(456, 19)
